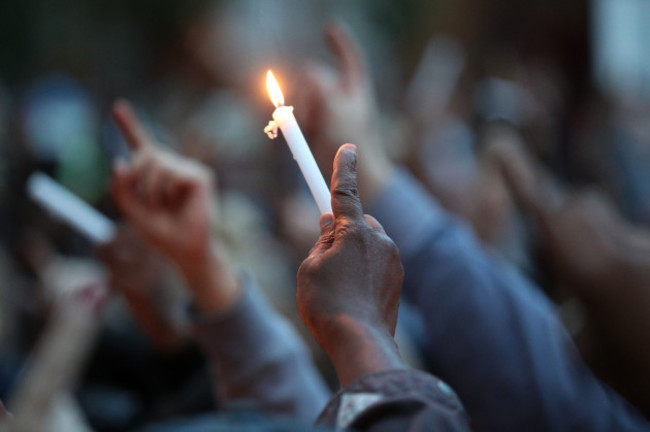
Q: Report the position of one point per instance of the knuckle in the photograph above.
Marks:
(346, 193)
(326, 239)
(351, 231)
(388, 245)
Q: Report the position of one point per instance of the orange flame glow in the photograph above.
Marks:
(274, 90)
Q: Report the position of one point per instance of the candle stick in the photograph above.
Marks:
(72, 209)
(284, 119)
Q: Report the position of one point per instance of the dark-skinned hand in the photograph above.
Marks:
(349, 285)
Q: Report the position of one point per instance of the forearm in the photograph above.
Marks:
(211, 280)
(159, 330)
(259, 360)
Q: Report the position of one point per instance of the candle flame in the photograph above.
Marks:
(274, 90)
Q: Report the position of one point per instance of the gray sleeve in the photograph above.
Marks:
(494, 337)
(260, 362)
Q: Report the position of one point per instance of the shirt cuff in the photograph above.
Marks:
(408, 212)
(377, 397)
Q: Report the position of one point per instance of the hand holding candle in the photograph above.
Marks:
(284, 119)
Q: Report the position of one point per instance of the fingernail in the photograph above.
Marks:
(351, 148)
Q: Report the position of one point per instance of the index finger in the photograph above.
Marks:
(532, 188)
(346, 52)
(345, 195)
(130, 125)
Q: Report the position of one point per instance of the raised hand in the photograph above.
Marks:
(168, 200)
(349, 285)
(336, 105)
(582, 231)
(139, 273)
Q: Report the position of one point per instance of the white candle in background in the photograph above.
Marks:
(284, 119)
(70, 208)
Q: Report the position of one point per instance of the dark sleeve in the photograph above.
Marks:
(494, 337)
(260, 362)
(396, 400)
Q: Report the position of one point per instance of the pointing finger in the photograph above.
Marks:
(346, 52)
(130, 125)
(532, 188)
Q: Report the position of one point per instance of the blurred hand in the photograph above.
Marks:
(134, 267)
(349, 285)
(138, 273)
(168, 201)
(338, 105)
(582, 232)
(167, 198)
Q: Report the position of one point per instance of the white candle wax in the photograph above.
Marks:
(70, 208)
(285, 120)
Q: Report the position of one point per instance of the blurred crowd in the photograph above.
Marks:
(492, 107)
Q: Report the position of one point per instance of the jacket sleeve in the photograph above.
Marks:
(396, 400)
(259, 361)
(495, 337)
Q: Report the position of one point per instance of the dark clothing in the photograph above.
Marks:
(399, 400)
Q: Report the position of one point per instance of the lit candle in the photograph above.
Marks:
(284, 119)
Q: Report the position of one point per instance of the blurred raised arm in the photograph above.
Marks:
(257, 355)
(337, 105)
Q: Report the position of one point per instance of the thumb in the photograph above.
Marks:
(532, 188)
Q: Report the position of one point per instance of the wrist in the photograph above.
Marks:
(213, 284)
(358, 348)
